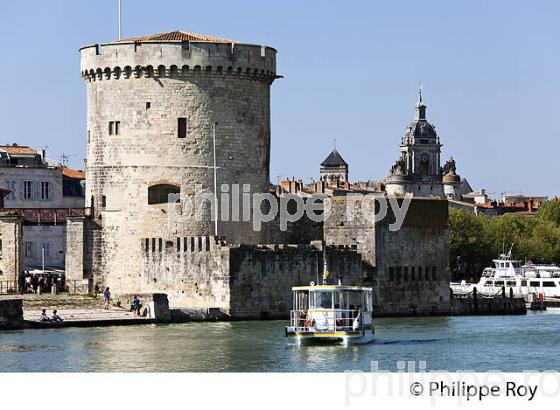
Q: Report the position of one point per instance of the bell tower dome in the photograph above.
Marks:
(418, 169)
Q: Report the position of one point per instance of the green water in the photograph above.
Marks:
(507, 343)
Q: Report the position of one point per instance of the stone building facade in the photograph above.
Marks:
(40, 190)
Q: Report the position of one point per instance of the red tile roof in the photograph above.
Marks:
(177, 36)
(18, 150)
(70, 173)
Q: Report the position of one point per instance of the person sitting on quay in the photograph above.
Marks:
(55, 317)
(136, 305)
(44, 317)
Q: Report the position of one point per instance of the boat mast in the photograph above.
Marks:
(325, 265)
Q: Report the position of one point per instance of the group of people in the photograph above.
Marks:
(135, 305)
(53, 318)
(33, 283)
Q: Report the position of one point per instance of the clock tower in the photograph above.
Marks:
(418, 169)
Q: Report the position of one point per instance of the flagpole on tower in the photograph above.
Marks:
(119, 19)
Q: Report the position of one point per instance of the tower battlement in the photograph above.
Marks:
(175, 59)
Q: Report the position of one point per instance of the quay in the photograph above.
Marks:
(23, 311)
(476, 303)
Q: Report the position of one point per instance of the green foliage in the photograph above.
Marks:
(549, 211)
(475, 240)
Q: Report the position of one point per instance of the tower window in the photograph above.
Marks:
(181, 127)
(163, 194)
(148, 105)
(114, 127)
(103, 201)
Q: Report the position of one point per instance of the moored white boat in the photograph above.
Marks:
(529, 281)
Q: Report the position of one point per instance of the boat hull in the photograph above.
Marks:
(339, 337)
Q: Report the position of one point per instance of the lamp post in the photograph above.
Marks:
(215, 180)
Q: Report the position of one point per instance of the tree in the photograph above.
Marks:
(549, 211)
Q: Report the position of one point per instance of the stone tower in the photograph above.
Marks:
(334, 169)
(152, 104)
(417, 170)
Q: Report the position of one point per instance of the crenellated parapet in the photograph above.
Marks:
(176, 60)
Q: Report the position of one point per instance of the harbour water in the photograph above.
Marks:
(506, 343)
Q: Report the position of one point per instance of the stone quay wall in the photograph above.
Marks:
(11, 314)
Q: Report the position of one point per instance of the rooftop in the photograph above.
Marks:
(18, 150)
(334, 160)
(70, 173)
(177, 36)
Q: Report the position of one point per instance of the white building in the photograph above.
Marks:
(44, 194)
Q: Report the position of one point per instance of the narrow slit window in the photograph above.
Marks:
(182, 127)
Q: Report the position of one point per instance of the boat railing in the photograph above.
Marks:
(331, 320)
(484, 293)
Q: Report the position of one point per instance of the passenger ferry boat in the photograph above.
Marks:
(527, 280)
(331, 313)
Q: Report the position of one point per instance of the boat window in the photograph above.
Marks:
(548, 284)
(511, 283)
(301, 300)
(499, 283)
(339, 299)
(321, 300)
(523, 283)
(535, 283)
(355, 299)
(368, 304)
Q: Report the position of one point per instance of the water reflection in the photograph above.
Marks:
(444, 343)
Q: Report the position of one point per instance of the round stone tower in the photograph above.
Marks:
(154, 104)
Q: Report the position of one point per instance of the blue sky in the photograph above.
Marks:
(490, 71)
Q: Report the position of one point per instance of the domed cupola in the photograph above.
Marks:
(420, 127)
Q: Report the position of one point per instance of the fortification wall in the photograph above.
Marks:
(261, 278)
(202, 274)
(413, 262)
(411, 265)
(349, 224)
(193, 271)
